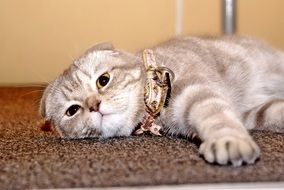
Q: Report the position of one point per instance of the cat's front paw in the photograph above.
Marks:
(230, 149)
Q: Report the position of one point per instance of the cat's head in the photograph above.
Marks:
(99, 95)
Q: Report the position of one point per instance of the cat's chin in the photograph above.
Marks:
(124, 131)
(113, 125)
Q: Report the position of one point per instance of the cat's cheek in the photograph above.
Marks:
(106, 109)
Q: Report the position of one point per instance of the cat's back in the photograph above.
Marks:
(242, 66)
(218, 55)
(207, 48)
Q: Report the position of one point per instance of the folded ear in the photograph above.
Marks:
(101, 46)
(42, 107)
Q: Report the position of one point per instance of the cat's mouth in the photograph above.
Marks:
(101, 112)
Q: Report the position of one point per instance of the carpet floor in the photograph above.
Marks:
(33, 158)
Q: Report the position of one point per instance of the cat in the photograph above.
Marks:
(222, 88)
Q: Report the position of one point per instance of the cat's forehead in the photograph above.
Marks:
(85, 70)
(96, 62)
(98, 59)
(80, 77)
(89, 65)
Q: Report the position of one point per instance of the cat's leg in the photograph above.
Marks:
(267, 116)
(209, 112)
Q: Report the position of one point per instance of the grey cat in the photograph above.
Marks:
(223, 87)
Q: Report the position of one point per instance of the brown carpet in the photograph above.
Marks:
(32, 158)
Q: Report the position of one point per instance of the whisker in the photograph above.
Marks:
(31, 92)
(30, 85)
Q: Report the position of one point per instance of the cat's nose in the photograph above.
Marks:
(93, 103)
(95, 107)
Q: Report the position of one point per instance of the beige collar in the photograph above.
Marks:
(157, 92)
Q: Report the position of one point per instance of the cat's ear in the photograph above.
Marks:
(42, 107)
(101, 46)
(45, 125)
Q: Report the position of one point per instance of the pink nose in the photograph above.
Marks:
(93, 103)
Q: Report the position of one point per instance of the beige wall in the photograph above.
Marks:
(39, 38)
(202, 17)
(263, 19)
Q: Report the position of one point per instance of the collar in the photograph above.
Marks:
(157, 92)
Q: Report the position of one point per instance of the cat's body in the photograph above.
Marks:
(222, 88)
(246, 72)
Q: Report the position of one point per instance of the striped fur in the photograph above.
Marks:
(222, 88)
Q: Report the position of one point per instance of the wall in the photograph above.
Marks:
(39, 38)
(263, 19)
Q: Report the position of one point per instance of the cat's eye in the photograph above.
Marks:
(72, 110)
(103, 80)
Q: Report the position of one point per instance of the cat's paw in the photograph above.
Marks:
(230, 149)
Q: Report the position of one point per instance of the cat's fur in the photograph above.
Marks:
(222, 88)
